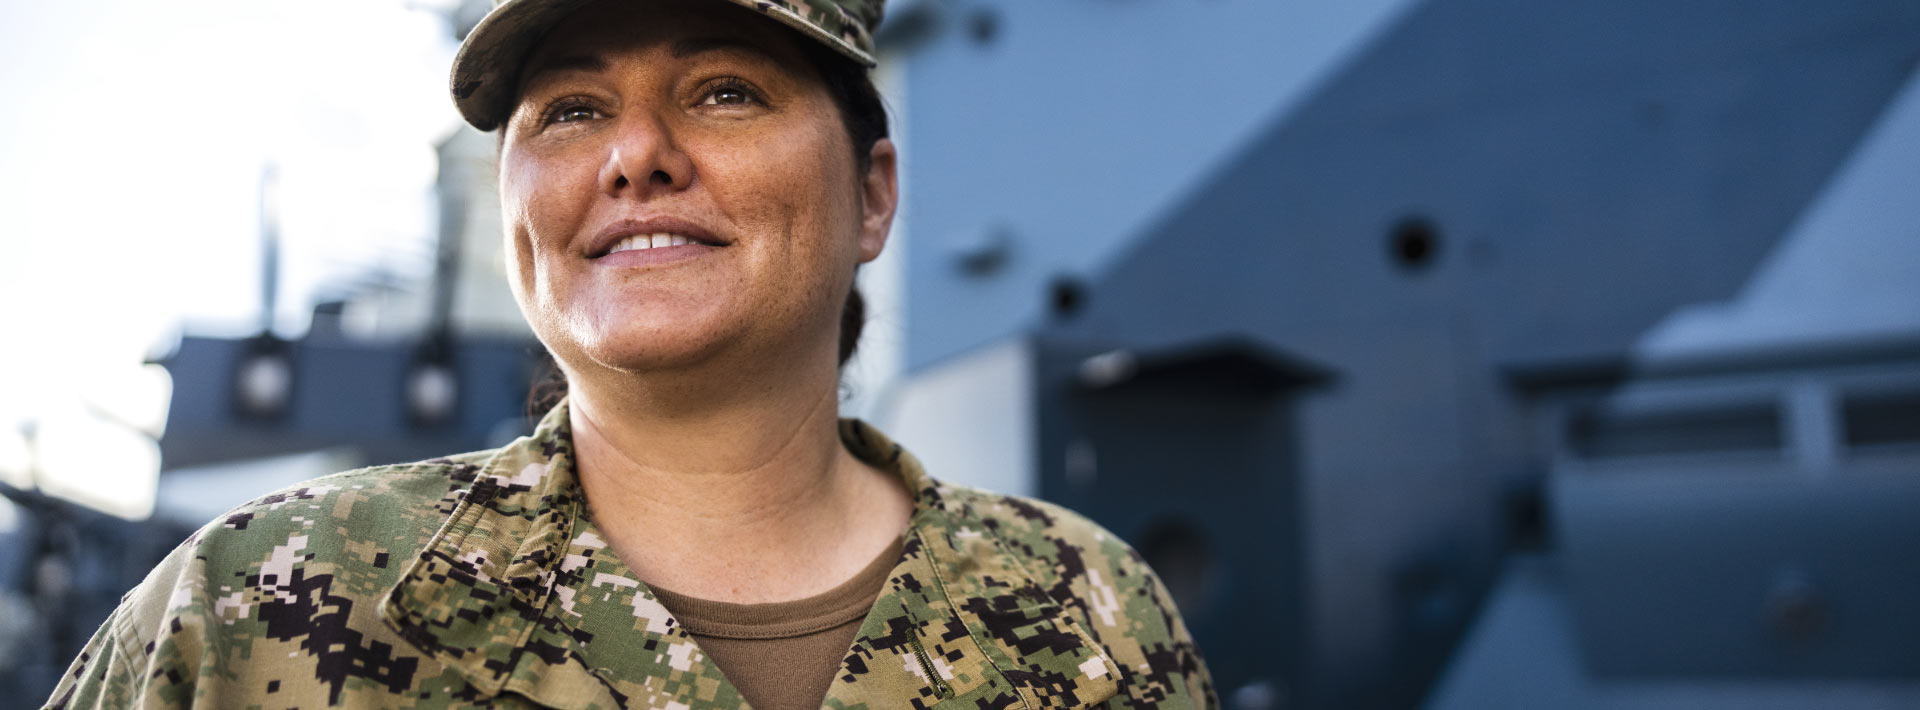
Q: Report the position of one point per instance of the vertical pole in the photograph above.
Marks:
(269, 246)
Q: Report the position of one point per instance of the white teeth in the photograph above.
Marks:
(649, 241)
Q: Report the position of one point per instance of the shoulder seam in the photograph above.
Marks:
(116, 630)
(417, 469)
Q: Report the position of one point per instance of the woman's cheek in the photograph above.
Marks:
(521, 253)
(532, 217)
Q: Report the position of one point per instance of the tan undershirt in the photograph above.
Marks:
(783, 655)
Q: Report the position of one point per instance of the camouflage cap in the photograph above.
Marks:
(488, 64)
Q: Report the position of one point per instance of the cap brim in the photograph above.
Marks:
(487, 67)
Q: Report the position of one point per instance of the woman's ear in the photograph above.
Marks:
(880, 196)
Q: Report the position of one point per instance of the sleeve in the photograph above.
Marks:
(1165, 669)
(100, 676)
(148, 652)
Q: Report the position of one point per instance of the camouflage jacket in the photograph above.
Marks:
(479, 581)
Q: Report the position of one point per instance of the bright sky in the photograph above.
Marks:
(133, 136)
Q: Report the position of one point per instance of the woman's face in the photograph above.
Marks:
(677, 187)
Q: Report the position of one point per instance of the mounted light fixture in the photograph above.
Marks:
(432, 385)
(263, 380)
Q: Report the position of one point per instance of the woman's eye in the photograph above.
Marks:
(569, 110)
(574, 113)
(728, 95)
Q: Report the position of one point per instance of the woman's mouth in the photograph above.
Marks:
(654, 249)
(650, 241)
(657, 237)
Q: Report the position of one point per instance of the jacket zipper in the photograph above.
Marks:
(940, 688)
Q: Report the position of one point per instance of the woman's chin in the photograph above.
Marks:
(651, 333)
(667, 337)
(654, 353)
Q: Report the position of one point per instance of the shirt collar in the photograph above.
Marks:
(962, 615)
(959, 611)
(472, 597)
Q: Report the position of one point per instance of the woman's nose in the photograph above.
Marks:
(643, 158)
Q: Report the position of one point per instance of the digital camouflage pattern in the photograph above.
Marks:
(480, 581)
(487, 65)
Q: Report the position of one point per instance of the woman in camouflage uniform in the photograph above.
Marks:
(688, 187)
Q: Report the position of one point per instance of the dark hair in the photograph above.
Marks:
(865, 117)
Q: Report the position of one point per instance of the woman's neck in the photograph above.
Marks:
(757, 501)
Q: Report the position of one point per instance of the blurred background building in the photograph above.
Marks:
(1447, 354)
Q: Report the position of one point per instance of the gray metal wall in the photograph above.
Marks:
(1577, 172)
